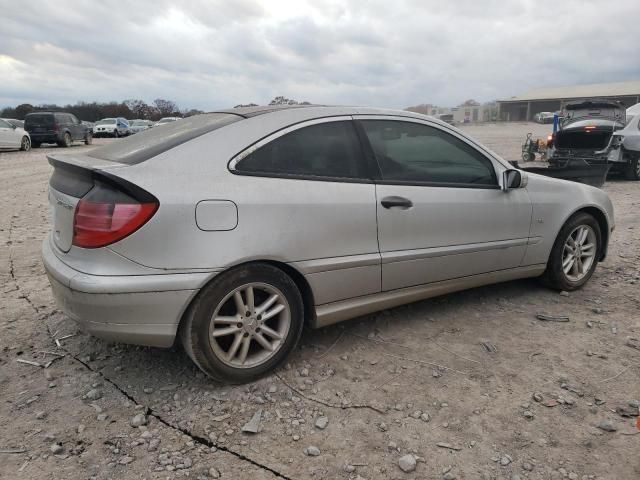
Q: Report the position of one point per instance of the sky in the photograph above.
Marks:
(210, 54)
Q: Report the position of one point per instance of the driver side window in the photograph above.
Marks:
(415, 153)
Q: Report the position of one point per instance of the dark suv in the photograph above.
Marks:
(56, 127)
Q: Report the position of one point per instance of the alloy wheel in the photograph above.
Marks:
(579, 253)
(26, 144)
(249, 325)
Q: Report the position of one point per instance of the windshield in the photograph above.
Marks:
(106, 121)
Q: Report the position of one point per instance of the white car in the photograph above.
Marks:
(140, 125)
(13, 137)
(164, 120)
(112, 127)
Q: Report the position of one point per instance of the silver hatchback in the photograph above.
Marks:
(230, 231)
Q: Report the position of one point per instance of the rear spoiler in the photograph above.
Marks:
(76, 174)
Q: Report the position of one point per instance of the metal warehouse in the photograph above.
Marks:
(525, 106)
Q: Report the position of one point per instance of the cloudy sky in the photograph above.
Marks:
(209, 54)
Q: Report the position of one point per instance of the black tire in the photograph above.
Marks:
(88, 139)
(554, 276)
(632, 168)
(66, 141)
(25, 144)
(194, 330)
(528, 157)
(115, 134)
(35, 144)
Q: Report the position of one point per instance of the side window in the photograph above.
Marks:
(323, 150)
(73, 119)
(413, 152)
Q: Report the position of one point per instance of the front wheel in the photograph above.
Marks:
(575, 253)
(244, 323)
(88, 139)
(115, 134)
(25, 144)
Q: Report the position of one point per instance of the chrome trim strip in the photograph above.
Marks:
(336, 263)
(418, 254)
(338, 311)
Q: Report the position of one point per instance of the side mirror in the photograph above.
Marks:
(513, 179)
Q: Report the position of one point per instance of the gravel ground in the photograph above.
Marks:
(408, 393)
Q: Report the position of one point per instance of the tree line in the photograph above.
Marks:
(91, 112)
(130, 109)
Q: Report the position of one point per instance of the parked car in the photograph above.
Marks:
(56, 127)
(164, 120)
(138, 126)
(447, 118)
(14, 122)
(13, 137)
(111, 127)
(229, 231)
(544, 117)
(584, 134)
(624, 147)
(88, 124)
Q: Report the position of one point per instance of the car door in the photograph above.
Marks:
(6, 134)
(314, 207)
(441, 212)
(77, 129)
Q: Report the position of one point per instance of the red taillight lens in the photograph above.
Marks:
(549, 140)
(105, 216)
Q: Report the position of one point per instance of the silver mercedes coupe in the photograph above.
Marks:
(230, 231)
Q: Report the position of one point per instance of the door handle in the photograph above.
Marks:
(400, 202)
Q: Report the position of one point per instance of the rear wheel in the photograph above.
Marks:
(244, 323)
(25, 144)
(575, 253)
(632, 168)
(66, 141)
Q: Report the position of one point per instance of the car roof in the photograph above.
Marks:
(150, 143)
(316, 110)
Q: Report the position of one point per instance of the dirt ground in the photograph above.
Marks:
(415, 380)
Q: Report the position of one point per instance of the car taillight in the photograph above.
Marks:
(106, 215)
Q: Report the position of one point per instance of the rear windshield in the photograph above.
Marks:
(39, 119)
(149, 143)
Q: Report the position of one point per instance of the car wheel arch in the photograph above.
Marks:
(601, 217)
(298, 278)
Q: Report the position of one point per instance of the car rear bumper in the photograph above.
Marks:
(137, 309)
(45, 137)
